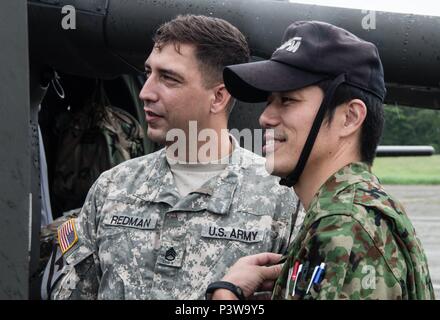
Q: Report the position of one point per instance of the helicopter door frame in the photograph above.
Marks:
(16, 199)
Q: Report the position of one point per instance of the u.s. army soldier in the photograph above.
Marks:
(325, 89)
(163, 226)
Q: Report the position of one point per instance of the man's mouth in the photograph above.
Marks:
(151, 116)
(272, 142)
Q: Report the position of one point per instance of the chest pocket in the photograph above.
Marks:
(209, 269)
(217, 242)
(128, 240)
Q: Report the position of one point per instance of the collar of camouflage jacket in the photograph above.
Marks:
(215, 195)
(366, 191)
(345, 177)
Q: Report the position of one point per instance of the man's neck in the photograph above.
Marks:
(316, 174)
(205, 151)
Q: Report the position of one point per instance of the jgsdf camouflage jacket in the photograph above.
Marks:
(365, 239)
(139, 239)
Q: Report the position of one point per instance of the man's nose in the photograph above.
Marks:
(149, 91)
(270, 117)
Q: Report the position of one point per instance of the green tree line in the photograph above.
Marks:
(411, 126)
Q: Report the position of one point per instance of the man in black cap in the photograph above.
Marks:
(325, 90)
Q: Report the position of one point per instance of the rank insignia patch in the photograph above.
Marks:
(67, 236)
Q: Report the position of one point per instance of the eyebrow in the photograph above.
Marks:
(166, 72)
(295, 96)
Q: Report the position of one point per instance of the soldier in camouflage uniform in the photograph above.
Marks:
(365, 239)
(355, 241)
(138, 235)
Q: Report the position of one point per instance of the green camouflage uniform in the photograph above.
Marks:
(365, 239)
(139, 239)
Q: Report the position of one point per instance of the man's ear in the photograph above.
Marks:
(354, 113)
(221, 99)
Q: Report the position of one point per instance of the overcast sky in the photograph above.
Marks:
(428, 7)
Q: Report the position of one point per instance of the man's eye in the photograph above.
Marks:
(287, 100)
(147, 74)
(168, 78)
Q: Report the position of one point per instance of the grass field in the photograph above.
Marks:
(408, 170)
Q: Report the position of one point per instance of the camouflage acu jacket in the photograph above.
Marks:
(364, 238)
(137, 238)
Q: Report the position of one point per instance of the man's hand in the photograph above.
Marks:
(252, 274)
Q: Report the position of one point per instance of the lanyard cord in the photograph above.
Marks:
(293, 177)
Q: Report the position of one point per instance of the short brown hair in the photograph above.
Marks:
(218, 43)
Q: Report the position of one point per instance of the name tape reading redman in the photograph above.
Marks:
(141, 223)
(248, 236)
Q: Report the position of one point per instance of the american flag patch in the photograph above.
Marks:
(67, 236)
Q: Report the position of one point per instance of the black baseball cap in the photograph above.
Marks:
(311, 51)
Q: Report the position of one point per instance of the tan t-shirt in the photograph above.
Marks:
(191, 176)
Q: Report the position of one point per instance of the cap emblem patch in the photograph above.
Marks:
(291, 45)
